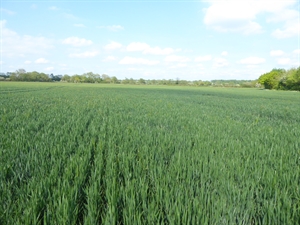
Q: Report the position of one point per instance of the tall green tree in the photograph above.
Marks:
(293, 79)
(271, 79)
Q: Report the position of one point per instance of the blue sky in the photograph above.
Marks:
(192, 40)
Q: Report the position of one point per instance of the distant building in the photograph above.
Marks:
(55, 77)
(6, 75)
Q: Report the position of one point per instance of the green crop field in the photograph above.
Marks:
(115, 154)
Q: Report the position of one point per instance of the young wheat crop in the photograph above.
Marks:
(104, 154)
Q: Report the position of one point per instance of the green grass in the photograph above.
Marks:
(117, 154)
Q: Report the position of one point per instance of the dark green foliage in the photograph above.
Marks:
(89, 77)
(30, 76)
(291, 81)
(271, 79)
(281, 79)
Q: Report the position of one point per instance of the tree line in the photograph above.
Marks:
(22, 75)
(90, 77)
(279, 79)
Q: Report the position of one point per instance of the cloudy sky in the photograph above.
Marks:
(192, 40)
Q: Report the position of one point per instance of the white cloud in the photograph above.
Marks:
(228, 11)
(77, 42)
(176, 58)
(251, 28)
(112, 27)
(283, 15)
(41, 61)
(240, 16)
(6, 11)
(14, 45)
(291, 29)
(53, 8)
(49, 68)
(224, 53)
(87, 54)
(203, 58)
(27, 62)
(33, 6)
(233, 16)
(159, 51)
(276, 53)
(252, 61)
(296, 51)
(130, 60)
(137, 46)
(134, 69)
(146, 49)
(180, 65)
(284, 61)
(220, 62)
(70, 16)
(112, 45)
(109, 58)
(115, 28)
(78, 25)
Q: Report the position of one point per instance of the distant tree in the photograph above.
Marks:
(90, 77)
(153, 81)
(296, 78)
(183, 82)
(76, 78)
(132, 81)
(271, 80)
(97, 78)
(247, 84)
(33, 76)
(13, 77)
(20, 71)
(114, 80)
(141, 81)
(207, 83)
(170, 82)
(43, 77)
(291, 81)
(66, 78)
(198, 83)
(125, 81)
(106, 78)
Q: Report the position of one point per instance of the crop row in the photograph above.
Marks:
(95, 154)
